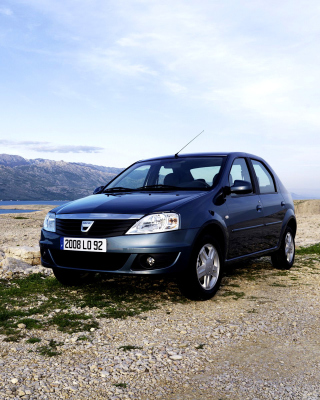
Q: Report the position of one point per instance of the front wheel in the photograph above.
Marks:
(202, 278)
(68, 277)
(284, 257)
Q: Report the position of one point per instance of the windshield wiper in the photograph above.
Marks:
(157, 186)
(118, 189)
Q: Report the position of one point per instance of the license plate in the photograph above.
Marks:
(79, 244)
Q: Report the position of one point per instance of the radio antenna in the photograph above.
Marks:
(176, 155)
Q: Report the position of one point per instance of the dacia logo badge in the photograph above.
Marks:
(86, 225)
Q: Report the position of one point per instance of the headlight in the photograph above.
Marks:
(50, 222)
(155, 223)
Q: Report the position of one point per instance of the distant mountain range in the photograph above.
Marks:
(41, 179)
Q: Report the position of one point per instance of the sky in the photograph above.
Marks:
(112, 82)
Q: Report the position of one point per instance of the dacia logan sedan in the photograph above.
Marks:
(187, 215)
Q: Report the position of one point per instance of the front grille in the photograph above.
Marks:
(89, 260)
(100, 228)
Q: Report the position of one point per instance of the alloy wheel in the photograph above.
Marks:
(289, 247)
(208, 266)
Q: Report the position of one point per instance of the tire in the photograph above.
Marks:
(69, 277)
(200, 281)
(284, 257)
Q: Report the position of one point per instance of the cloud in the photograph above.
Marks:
(102, 61)
(6, 11)
(250, 58)
(47, 147)
(20, 143)
(69, 149)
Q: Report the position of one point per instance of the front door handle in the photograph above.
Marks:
(283, 203)
(259, 208)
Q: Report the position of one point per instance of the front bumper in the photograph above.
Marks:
(125, 254)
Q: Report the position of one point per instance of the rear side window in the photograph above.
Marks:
(265, 179)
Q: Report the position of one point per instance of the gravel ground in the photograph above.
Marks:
(258, 338)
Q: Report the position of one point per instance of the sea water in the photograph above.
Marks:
(13, 203)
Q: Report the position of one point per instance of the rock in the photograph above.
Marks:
(14, 380)
(14, 264)
(28, 254)
(176, 357)
(21, 326)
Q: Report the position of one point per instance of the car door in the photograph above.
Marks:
(245, 217)
(272, 202)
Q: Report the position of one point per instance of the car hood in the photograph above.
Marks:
(128, 203)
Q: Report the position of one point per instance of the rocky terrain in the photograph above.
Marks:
(40, 179)
(129, 338)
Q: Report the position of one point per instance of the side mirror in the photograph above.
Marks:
(98, 190)
(241, 187)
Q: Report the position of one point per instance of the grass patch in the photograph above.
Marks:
(33, 340)
(233, 294)
(129, 347)
(13, 337)
(50, 350)
(30, 323)
(34, 300)
(314, 249)
(250, 270)
(281, 273)
(121, 385)
(20, 218)
(85, 338)
(68, 322)
(277, 284)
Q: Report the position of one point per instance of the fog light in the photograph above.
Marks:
(151, 261)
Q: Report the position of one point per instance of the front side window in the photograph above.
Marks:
(192, 173)
(265, 180)
(239, 172)
(163, 172)
(207, 174)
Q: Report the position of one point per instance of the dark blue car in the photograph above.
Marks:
(188, 215)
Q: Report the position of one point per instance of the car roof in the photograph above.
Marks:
(173, 156)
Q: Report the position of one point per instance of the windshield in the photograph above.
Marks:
(194, 173)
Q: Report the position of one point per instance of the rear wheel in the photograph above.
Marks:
(202, 278)
(72, 277)
(284, 257)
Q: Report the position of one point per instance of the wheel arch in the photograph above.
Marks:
(288, 221)
(292, 223)
(215, 229)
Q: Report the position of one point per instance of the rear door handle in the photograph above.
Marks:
(283, 203)
(259, 207)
